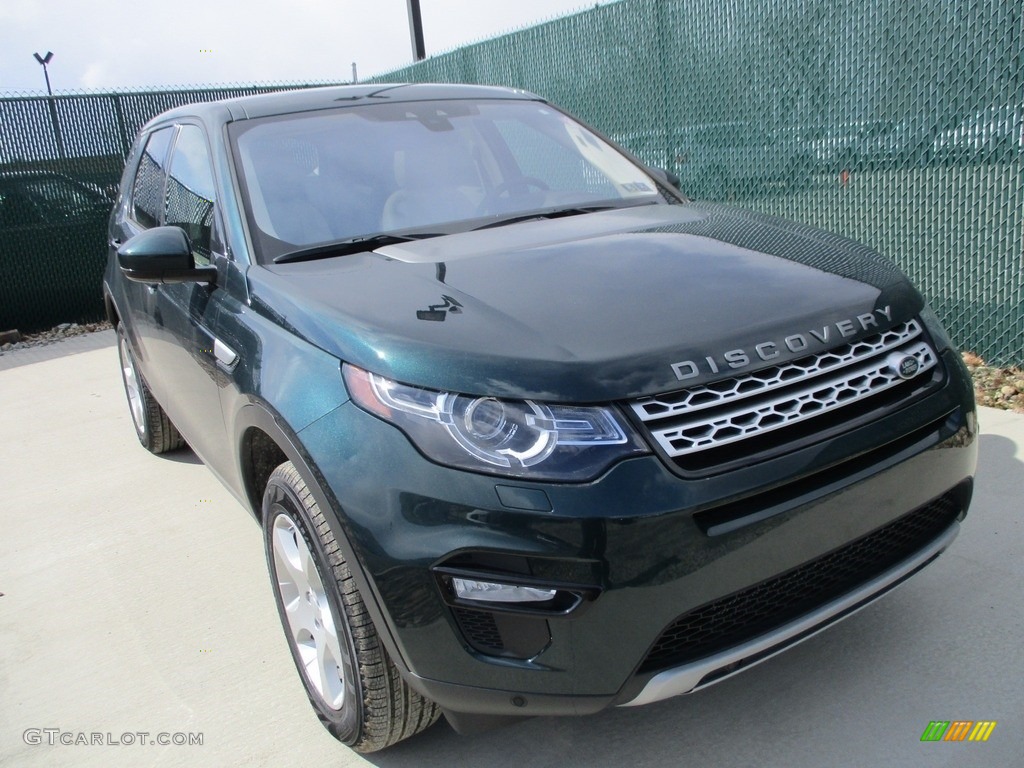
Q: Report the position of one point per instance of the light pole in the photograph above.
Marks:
(44, 60)
(419, 51)
(57, 137)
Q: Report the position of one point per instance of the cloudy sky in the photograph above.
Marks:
(109, 44)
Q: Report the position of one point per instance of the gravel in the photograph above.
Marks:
(994, 386)
(52, 336)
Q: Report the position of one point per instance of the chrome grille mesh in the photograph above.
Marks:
(732, 410)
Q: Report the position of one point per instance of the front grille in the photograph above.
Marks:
(756, 610)
(691, 426)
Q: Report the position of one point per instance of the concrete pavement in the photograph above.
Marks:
(136, 599)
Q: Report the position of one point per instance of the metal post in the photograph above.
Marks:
(419, 51)
(122, 127)
(57, 136)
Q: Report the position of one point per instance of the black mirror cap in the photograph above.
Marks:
(162, 255)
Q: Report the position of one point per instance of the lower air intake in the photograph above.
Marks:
(756, 610)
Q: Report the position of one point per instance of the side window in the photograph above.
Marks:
(190, 191)
(148, 188)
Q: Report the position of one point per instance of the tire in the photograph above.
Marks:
(350, 680)
(154, 429)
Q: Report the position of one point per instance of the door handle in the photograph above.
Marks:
(226, 356)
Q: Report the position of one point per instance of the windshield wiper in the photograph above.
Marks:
(352, 245)
(557, 213)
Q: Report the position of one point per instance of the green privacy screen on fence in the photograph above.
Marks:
(896, 123)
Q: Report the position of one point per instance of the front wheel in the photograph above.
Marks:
(154, 429)
(350, 680)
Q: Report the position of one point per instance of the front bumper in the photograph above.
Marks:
(647, 545)
(693, 676)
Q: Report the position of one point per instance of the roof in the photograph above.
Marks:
(313, 99)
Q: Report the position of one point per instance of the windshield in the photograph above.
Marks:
(421, 167)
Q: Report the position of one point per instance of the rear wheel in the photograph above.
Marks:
(154, 429)
(350, 680)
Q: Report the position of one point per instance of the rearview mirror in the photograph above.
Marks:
(665, 176)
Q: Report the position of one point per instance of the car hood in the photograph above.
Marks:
(590, 308)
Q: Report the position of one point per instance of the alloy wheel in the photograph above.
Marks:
(133, 387)
(310, 619)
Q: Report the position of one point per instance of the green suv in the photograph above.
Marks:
(527, 432)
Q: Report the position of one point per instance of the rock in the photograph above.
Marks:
(63, 326)
(10, 337)
(1008, 391)
(7, 347)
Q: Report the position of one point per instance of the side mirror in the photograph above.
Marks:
(162, 255)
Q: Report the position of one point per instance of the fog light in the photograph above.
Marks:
(492, 592)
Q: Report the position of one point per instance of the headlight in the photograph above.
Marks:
(516, 438)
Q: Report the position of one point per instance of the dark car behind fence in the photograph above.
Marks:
(897, 124)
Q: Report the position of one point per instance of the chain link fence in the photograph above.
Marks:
(898, 124)
(61, 159)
